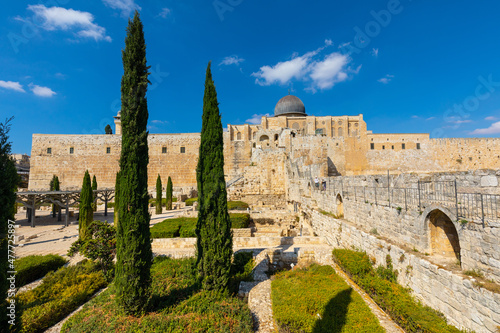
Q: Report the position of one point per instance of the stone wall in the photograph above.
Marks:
(463, 304)
(479, 244)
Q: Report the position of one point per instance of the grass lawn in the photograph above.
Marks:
(177, 305)
(317, 300)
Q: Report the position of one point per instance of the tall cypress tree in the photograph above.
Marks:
(134, 254)
(159, 191)
(86, 213)
(117, 199)
(169, 194)
(94, 188)
(213, 229)
(53, 188)
(8, 185)
(57, 187)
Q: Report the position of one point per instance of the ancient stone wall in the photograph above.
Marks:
(478, 243)
(174, 155)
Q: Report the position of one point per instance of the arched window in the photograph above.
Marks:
(341, 131)
(238, 136)
(264, 138)
(276, 137)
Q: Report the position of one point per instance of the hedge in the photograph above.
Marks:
(60, 293)
(184, 227)
(405, 310)
(191, 201)
(34, 267)
(237, 205)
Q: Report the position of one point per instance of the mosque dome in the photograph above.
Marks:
(290, 106)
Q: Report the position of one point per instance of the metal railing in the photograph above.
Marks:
(477, 207)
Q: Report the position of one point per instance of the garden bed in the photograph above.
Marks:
(176, 305)
(317, 300)
(397, 301)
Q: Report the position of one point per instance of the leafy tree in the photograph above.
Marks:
(86, 213)
(169, 194)
(117, 199)
(108, 129)
(100, 247)
(9, 180)
(134, 255)
(94, 188)
(159, 191)
(213, 229)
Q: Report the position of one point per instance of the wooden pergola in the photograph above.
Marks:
(64, 199)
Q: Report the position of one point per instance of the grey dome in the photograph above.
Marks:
(290, 106)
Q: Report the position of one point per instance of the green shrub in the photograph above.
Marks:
(409, 313)
(177, 305)
(100, 247)
(241, 270)
(191, 201)
(60, 293)
(237, 205)
(152, 201)
(34, 267)
(239, 220)
(318, 300)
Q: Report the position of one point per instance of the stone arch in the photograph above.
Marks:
(238, 136)
(442, 233)
(340, 206)
(264, 138)
(340, 132)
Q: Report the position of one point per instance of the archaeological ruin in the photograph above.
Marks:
(432, 205)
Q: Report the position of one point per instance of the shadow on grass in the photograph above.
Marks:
(334, 316)
(176, 296)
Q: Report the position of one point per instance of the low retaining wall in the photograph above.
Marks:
(238, 242)
(462, 303)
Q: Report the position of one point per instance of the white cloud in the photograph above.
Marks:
(375, 52)
(125, 6)
(164, 12)
(232, 60)
(415, 117)
(493, 129)
(41, 91)
(386, 79)
(323, 74)
(58, 18)
(458, 121)
(329, 71)
(491, 118)
(16, 86)
(159, 122)
(430, 118)
(256, 118)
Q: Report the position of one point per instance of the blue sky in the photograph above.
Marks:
(407, 66)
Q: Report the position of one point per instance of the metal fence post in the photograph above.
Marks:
(419, 199)
(482, 209)
(406, 205)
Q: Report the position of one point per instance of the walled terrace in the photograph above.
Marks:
(434, 227)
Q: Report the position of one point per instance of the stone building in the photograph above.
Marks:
(340, 145)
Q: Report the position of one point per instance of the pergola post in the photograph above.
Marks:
(106, 205)
(66, 222)
(33, 209)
